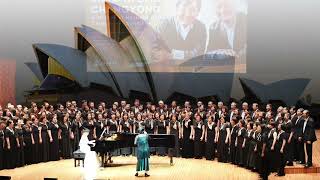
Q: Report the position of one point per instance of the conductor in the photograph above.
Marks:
(143, 153)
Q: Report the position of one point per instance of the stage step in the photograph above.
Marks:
(300, 169)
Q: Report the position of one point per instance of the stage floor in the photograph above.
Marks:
(124, 168)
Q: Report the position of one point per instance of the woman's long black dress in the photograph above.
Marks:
(280, 156)
(162, 129)
(240, 150)
(35, 134)
(20, 150)
(44, 146)
(113, 128)
(187, 143)
(125, 129)
(222, 145)
(258, 159)
(65, 141)
(76, 128)
(174, 129)
(210, 147)
(198, 144)
(28, 148)
(233, 149)
(10, 154)
(2, 162)
(54, 145)
(251, 143)
(271, 154)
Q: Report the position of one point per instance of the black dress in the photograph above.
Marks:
(270, 154)
(198, 144)
(280, 156)
(65, 141)
(28, 148)
(289, 146)
(222, 145)
(99, 125)
(162, 129)
(251, 144)
(174, 129)
(187, 143)
(44, 146)
(2, 162)
(150, 125)
(54, 145)
(35, 134)
(125, 127)
(233, 149)
(76, 129)
(240, 154)
(20, 150)
(210, 147)
(10, 154)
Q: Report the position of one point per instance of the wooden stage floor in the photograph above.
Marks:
(124, 168)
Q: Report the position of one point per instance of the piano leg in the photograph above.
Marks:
(102, 159)
(171, 160)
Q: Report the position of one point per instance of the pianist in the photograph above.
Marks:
(143, 152)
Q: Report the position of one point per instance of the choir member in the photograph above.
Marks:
(250, 143)
(99, 125)
(76, 131)
(288, 128)
(150, 125)
(260, 149)
(64, 135)
(2, 144)
(232, 140)
(54, 145)
(211, 138)
(125, 127)
(20, 144)
(241, 143)
(223, 140)
(113, 127)
(11, 145)
(309, 136)
(36, 137)
(187, 138)
(89, 124)
(297, 136)
(198, 136)
(270, 147)
(46, 139)
(280, 150)
(174, 128)
(28, 142)
(162, 128)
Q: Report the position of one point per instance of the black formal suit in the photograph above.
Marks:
(298, 144)
(309, 136)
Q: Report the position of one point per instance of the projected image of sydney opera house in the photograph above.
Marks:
(121, 65)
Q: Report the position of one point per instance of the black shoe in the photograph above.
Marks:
(307, 166)
(146, 175)
(136, 174)
(290, 164)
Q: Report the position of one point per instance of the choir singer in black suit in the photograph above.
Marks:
(309, 136)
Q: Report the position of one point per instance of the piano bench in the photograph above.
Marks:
(78, 160)
(78, 156)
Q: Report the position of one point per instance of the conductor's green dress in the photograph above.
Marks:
(143, 153)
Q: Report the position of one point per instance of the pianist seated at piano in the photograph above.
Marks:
(143, 152)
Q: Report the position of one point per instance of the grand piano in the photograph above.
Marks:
(106, 145)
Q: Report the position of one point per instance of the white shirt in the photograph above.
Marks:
(305, 124)
(182, 29)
